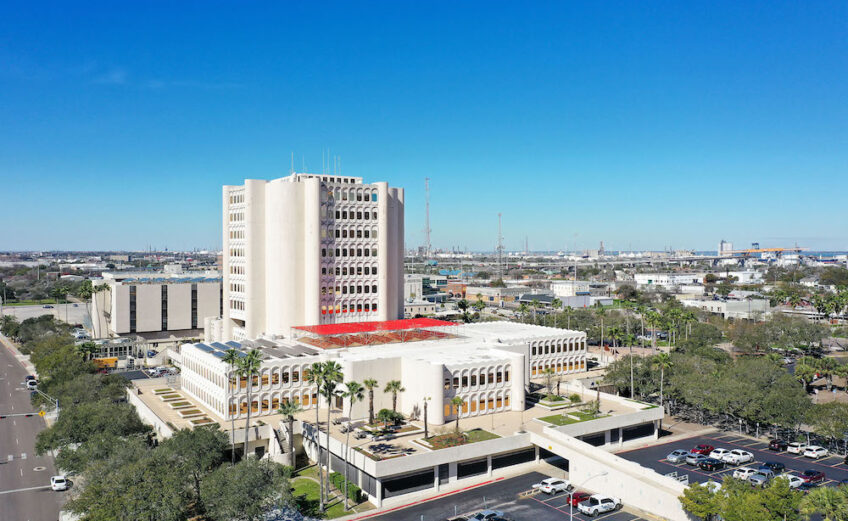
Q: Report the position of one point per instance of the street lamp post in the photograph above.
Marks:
(571, 494)
(426, 399)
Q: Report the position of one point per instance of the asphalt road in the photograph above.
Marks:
(25, 493)
(502, 495)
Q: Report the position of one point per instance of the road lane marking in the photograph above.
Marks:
(23, 489)
(23, 455)
(10, 458)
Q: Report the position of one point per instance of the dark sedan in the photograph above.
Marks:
(813, 476)
(778, 445)
(711, 464)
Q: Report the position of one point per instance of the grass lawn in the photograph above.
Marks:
(35, 302)
(480, 435)
(453, 439)
(305, 492)
(562, 419)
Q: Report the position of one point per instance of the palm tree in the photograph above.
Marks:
(601, 312)
(642, 310)
(522, 310)
(662, 361)
(370, 384)
(355, 393)
(249, 367)
(654, 320)
(316, 378)
(535, 305)
(457, 402)
(232, 358)
(331, 377)
(549, 375)
(557, 305)
(830, 502)
(827, 366)
(805, 374)
(394, 387)
(288, 409)
(568, 311)
(87, 350)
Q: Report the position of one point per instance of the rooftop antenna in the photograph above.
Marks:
(427, 217)
(500, 248)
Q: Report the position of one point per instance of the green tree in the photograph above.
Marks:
(548, 373)
(829, 420)
(196, 453)
(78, 423)
(830, 502)
(245, 491)
(133, 483)
(9, 326)
(700, 502)
(316, 378)
(556, 305)
(662, 361)
(331, 377)
(394, 387)
(370, 384)
(56, 358)
(457, 402)
(248, 367)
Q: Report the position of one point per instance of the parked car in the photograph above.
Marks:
(796, 447)
(47, 306)
(711, 464)
(695, 459)
(813, 476)
(744, 473)
(151, 353)
(59, 483)
(794, 481)
(598, 504)
(29, 377)
(486, 515)
(553, 485)
(761, 478)
(713, 486)
(738, 457)
(32, 385)
(677, 456)
(774, 466)
(719, 453)
(703, 449)
(578, 497)
(806, 487)
(815, 452)
(778, 445)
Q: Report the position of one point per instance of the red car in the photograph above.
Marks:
(703, 449)
(578, 497)
(813, 476)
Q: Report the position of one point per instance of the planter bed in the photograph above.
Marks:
(163, 391)
(454, 439)
(180, 405)
(201, 421)
(189, 413)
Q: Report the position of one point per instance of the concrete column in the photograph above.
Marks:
(436, 478)
(312, 252)
(453, 472)
(656, 429)
(383, 252)
(379, 494)
(489, 465)
(620, 436)
(536, 447)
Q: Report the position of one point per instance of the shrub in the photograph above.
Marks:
(574, 398)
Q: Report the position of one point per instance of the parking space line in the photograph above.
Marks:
(547, 505)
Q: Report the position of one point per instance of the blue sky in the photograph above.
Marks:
(643, 124)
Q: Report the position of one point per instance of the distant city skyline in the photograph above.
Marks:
(645, 126)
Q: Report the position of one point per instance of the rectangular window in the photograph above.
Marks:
(456, 382)
(465, 381)
(447, 384)
(473, 380)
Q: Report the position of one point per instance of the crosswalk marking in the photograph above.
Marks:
(10, 458)
(23, 455)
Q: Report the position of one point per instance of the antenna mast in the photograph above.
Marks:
(500, 248)
(427, 245)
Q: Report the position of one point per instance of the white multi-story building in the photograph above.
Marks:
(143, 303)
(668, 280)
(309, 249)
(488, 364)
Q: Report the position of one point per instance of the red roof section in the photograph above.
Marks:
(368, 327)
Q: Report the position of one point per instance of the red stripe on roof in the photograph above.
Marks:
(368, 327)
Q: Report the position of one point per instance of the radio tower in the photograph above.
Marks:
(500, 249)
(427, 218)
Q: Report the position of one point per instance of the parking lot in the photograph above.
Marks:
(507, 495)
(654, 457)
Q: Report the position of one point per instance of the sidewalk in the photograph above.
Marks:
(23, 359)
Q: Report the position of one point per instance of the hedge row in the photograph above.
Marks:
(354, 493)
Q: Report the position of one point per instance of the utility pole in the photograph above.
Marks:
(500, 248)
(427, 218)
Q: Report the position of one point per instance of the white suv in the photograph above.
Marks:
(719, 454)
(598, 504)
(744, 473)
(796, 447)
(553, 485)
(815, 452)
(738, 457)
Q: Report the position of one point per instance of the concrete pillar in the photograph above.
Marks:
(536, 447)
(436, 478)
(489, 466)
(656, 429)
(620, 436)
(453, 472)
(379, 494)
